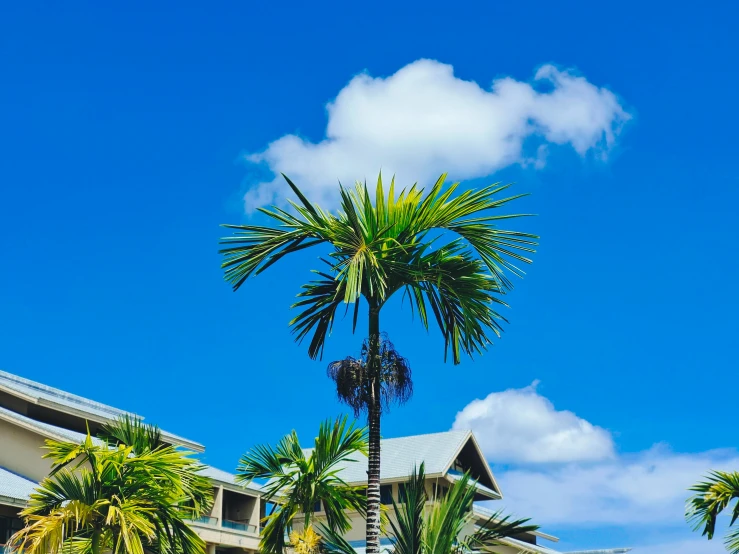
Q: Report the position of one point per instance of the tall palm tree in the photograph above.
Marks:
(443, 250)
(441, 528)
(296, 482)
(111, 497)
(712, 497)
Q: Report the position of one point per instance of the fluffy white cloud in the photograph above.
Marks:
(422, 121)
(563, 472)
(641, 489)
(520, 425)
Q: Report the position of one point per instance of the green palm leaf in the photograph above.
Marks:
(296, 482)
(113, 497)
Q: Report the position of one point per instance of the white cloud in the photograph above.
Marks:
(690, 546)
(564, 473)
(520, 425)
(422, 121)
(642, 489)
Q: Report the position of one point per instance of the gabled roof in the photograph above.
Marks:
(59, 400)
(14, 487)
(400, 455)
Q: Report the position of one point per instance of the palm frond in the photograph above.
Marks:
(103, 497)
(132, 431)
(298, 482)
(713, 496)
(408, 532)
(383, 244)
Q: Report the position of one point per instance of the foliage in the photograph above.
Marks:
(440, 527)
(713, 496)
(380, 248)
(443, 250)
(297, 481)
(106, 496)
(306, 541)
(353, 384)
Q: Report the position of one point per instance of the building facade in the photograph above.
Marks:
(31, 412)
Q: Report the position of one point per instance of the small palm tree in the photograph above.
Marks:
(712, 497)
(297, 483)
(112, 497)
(443, 250)
(442, 527)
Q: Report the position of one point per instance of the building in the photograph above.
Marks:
(446, 457)
(31, 412)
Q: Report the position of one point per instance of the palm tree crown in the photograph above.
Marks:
(383, 247)
(712, 497)
(297, 482)
(112, 497)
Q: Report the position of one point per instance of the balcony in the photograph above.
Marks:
(239, 526)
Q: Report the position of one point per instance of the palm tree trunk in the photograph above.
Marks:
(95, 542)
(374, 408)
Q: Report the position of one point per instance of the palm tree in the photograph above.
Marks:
(111, 497)
(712, 497)
(297, 483)
(441, 527)
(442, 250)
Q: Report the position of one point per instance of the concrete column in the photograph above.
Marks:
(217, 510)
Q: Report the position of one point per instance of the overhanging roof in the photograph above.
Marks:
(229, 479)
(65, 402)
(14, 489)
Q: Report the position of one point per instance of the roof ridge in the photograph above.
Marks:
(64, 395)
(463, 432)
(436, 433)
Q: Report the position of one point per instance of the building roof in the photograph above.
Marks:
(44, 395)
(485, 514)
(45, 429)
(15, 487)
(437, 451)
(224, 477)
(402, 454)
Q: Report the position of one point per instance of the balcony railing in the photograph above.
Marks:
(238, 525)
(207, 520)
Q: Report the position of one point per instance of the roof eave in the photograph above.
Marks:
(10, 501)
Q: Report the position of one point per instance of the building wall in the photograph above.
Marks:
(21, 451)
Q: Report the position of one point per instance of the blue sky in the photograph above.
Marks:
(124, 142)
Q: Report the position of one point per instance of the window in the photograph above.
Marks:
(440, 491)
(8, 526)
(386, 494)
(317, 506)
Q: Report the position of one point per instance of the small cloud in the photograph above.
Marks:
(520, 425)
(423, 121)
